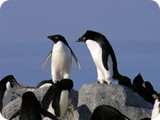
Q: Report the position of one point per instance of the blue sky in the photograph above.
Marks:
(131, 26)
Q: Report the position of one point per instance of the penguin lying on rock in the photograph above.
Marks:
(45, 84)
(106, 112)
(146, 91)
(8, 86)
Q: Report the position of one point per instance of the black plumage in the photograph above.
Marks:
(31, 109)
(106, 112)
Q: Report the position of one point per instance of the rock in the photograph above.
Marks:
(15, 105)
(120, 97)
(90, 96)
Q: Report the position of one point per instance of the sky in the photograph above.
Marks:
(131, 26)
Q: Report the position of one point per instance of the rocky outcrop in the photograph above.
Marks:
(120, 97)
(90, 96)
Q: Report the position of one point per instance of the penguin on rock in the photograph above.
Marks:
(56, 99)
(45, 84)
(8, 86)
(61, 58)
(31, 109)
(104, 58)
(106, 112)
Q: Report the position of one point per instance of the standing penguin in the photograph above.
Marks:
(8, 93)
(61, 58)
(156, 108)
(31, 109)
(103, 56)
(106, 112)
(56, 99)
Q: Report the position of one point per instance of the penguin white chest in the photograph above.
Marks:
(155, 111)
(61, 61)
(64, 101)
(96, 52)
(8, 94)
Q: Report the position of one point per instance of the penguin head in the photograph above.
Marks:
(91, 35)
(138, 80)
(29, 96)
(7, 83)
(57, 38)
(8, 87)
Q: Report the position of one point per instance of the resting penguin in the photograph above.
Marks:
(141, 90)
(156, 108)
(31, 109)
(150, 88)
(56, 99)
(8, 86)
(103, 56)
(45, 84)
(106, 112)
(61, 58)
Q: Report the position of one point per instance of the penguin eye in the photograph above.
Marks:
(84, 38)
(56, 37)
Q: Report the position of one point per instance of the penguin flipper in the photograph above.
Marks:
(47, 58)
(76, 59)
(48, 114)
(15, 115)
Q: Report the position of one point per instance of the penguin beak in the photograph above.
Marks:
(49, 36)
(81, 39)
(47, 58)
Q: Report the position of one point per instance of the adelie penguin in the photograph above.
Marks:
(56, 99)
(106, 112)
(61, 58)
(45, 84)
(8, 86)
(31, 109)
(103, 56)
(142, 90)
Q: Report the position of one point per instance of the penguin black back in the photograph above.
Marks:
(30, 108)
(150, 88)
(106, 112)
(141, 90)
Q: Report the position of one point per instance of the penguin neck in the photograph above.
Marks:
(60, 48)
(64, 102)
